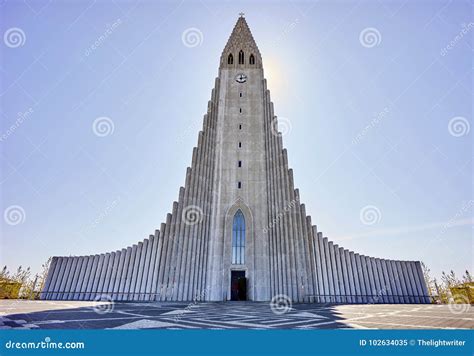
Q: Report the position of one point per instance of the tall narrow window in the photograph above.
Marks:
(238, 239)
(239, 185)
(240, 110)
(252, 59)
(240, 164)
(240, 144)
(240, 94)
(240, 127)
(230, 59)
(241, 57)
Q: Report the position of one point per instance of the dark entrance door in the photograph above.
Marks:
(238, 285)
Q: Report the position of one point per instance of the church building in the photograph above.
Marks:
(238, 230)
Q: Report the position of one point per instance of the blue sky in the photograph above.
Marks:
(376, 99)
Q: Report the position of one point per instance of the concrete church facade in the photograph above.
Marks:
(238, 230)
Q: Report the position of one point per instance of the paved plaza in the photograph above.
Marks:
(229, 315)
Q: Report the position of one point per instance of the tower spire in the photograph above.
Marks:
(241, 39)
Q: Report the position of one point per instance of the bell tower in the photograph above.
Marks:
(240, 170)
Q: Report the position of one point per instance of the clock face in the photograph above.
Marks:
(241, 78)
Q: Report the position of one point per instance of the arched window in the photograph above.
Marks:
(252, 59)
(238, 239)
(241, 57)
(230, 59)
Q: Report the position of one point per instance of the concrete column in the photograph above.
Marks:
(176, 246)
(111, 279)
(141, 267)
(346, 276)
(361, 276)
(381, 291)
(120, 255)
(204, 233)
(195, 230)
(396, 278)
(414, 284)
(167, 262)
(86, 278)
(289, 264)
(124, 276)
(64, 279)
(54, 278)
(303, 250)
(190, 231)
(131, 268)
(288, 268)
(364, 279)
(407, 281)
(332, 256)
(311, 255)
(106, 268)
(59, 277)
(95, 286)
(373, 289)
(212, 168)
(340, 275)
(350, 257)
(421, 278)
(193, 283)
(389, 295)
(350, 287)
(155, 286)
(74, 275)
(327, 259)
(136, 266)
(401, 278)
(154, 248)
(163, 256)
(146, 268)
(178, 271)
(318, 249)
(378, 286)
(47, 282)
(103, 272)
(276, 229)
(76, 288)
(324, 266)
(383, 283)
(111, 268)
(90, 275)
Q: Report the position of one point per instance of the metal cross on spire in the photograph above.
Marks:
(241, 14)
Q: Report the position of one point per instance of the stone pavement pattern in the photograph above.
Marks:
(229, 315)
